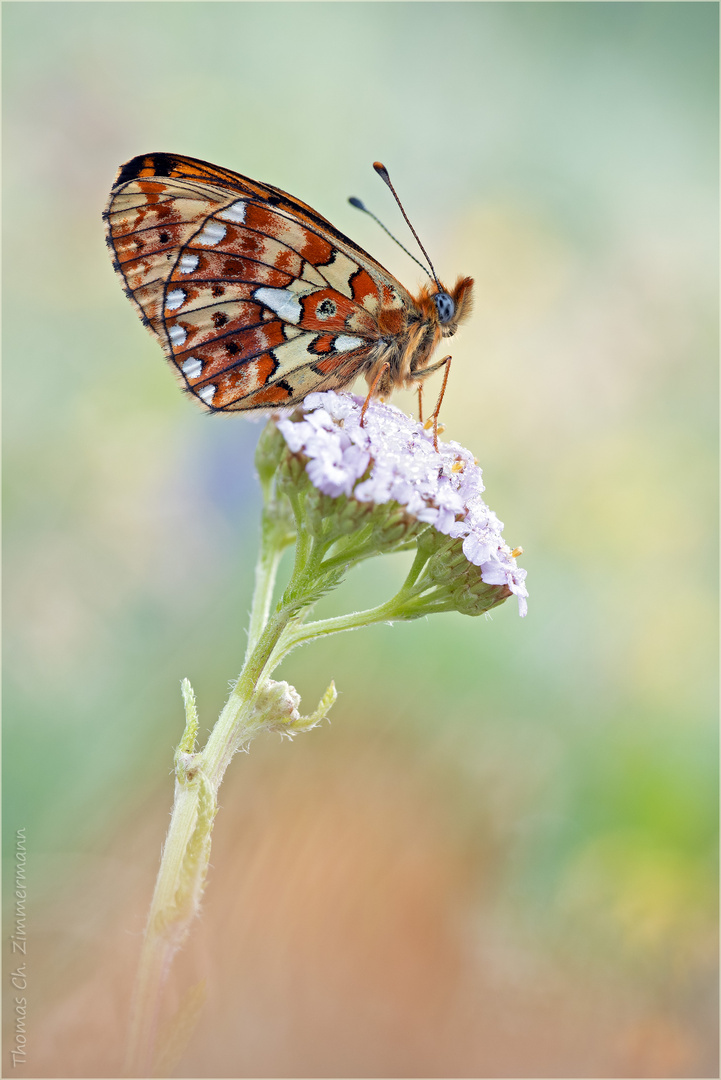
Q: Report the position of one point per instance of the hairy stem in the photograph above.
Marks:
(184, 861)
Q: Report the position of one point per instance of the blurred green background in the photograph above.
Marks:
(500, 857)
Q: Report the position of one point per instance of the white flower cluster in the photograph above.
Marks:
(442, 488)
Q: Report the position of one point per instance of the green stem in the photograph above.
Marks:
(402, 605)
(184, 861)
(351, 555)
(171, 911)
(422, 557)
(323, 627)
(303, 538)
(241, 719)
(265, 575)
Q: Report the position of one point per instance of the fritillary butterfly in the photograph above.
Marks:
(256, 299)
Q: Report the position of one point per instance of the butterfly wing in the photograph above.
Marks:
(256, 299)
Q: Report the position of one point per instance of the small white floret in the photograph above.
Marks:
(207, 394)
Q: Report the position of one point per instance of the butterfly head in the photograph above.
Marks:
(444, 306)
(448, 309)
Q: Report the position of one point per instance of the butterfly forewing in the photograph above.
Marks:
(256, 298)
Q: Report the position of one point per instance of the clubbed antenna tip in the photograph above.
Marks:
(383, 173)
(359, 205)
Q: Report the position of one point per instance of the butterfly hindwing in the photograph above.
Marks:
(256, 299)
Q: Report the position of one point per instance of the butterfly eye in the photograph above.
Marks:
(444, 306)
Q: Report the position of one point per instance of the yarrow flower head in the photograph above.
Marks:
(378, 481)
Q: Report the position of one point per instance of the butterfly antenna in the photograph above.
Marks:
(383, 173)
(361, 206)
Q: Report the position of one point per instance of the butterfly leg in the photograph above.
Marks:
(447, 362)
(371, 392)
(420, 403)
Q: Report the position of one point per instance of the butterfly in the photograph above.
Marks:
(256, 299)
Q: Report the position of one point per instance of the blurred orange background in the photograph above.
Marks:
(499, 858)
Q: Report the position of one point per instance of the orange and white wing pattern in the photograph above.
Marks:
(256, 299)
